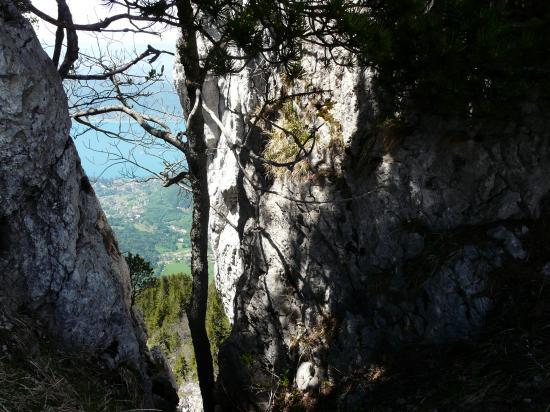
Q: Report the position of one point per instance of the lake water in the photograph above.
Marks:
(101, 155)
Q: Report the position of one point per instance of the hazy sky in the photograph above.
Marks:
(90, 11)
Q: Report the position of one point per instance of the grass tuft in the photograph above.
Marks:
(37, 376)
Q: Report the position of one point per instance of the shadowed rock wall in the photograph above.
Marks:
(59, 259)
(393, 236)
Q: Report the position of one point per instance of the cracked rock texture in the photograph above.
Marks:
(59, 259)
(394, 240)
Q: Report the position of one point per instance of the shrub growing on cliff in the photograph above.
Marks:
(464, 57)
(281, 147)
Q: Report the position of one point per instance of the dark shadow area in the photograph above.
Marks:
(354, 274)
(506, 369)
(4, 236)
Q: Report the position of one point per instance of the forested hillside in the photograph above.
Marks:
(164, 306)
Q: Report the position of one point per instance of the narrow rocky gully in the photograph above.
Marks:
(295, 205)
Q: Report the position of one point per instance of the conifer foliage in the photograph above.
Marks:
(142, 274)
(164, 304)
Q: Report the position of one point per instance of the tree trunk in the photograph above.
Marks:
(199, 269)
(197, 164)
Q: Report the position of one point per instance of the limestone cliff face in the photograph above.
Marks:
(385, 239)
(59, 259)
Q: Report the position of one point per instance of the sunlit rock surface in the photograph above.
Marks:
(387, 239)
(59, 259)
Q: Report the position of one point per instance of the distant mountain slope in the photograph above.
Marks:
(150, 220)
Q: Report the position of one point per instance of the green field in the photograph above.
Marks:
(176, 267)
(180, 267)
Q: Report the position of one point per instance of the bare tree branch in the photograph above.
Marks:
(169, 181)
(100, 25)
(141, 119)
(151, 51)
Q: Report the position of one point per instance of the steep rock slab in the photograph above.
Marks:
(59, 259)
(399, 239)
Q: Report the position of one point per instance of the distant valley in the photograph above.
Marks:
(150, 220)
